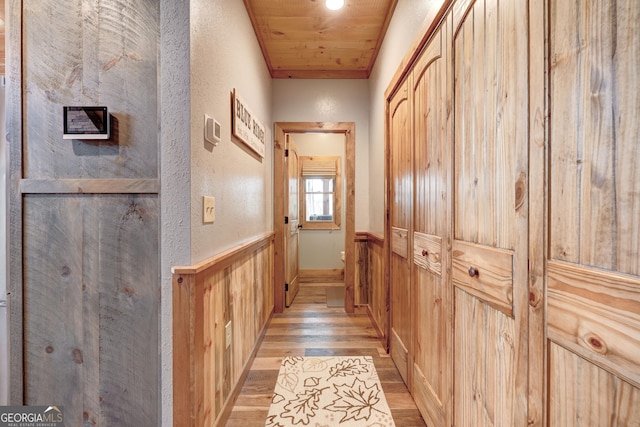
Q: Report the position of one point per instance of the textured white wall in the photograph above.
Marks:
(308, 100)
(175, 158)
(208, 48)
(226, 55)
(320, 249)
(404, 28)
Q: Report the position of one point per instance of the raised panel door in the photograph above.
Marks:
(432, 297)
(490, 213)
(400, 223)
(593, 274)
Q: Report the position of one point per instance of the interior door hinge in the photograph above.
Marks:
(286, 287)
(286, 220)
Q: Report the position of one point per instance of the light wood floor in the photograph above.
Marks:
(310, 328)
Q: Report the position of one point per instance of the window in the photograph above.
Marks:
(320, 195)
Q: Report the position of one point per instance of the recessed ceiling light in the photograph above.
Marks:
(334, 4)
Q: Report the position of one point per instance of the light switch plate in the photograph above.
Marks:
(212, 130)
(208, 209)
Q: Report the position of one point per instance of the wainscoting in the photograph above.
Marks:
(221, 308)
(370, 289)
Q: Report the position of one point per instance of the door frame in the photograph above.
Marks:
(280, 129)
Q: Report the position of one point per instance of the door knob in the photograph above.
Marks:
(473, 272)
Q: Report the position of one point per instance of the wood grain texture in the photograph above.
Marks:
(490, 210)
(400, 172)
(379, 291)
(490, 131)
(485, 364)
(306, 40)
(432, 381)
(430, 131)
(596, 314)
(580, 393)
(238, 290)
(427, 252)
(400, 228)
(89, 342)
(493, 282)
(594, 203)
(594, 233)
(400, 355)
(432, 297)
(310, 328)
(119, 70)
(400, 242)
(538, 214)
(14, 136)
(89, 186)
(333, 275)
(362, 272)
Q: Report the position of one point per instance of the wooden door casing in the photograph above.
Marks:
(400, 221)
(490, 210)
(432, 298)
(593, 274)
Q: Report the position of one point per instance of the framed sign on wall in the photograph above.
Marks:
(245, 125)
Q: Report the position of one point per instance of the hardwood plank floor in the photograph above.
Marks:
(310, 328)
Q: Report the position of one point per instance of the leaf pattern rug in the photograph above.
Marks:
(328, 391)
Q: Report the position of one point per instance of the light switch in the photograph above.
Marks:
(208, 209)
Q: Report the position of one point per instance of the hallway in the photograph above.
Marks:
(310, 328)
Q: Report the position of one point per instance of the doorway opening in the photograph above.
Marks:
(281, 203)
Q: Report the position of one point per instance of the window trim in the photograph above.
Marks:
(335, 224)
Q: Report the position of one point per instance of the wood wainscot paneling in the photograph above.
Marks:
(221, 308)
(370, 284)
(331, 275)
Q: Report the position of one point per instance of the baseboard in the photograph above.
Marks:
(383, 339)
(334, 275)
(237, 388)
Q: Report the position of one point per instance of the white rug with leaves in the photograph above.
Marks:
(328, 391)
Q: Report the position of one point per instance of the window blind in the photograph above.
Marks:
(319, 167)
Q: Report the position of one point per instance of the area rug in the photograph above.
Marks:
(328, 391)
(335, 296)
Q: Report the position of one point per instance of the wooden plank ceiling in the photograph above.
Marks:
(304, 39)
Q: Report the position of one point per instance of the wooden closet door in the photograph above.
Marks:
(593, 275)
(400, 223)
(490, 207)
(432, 297)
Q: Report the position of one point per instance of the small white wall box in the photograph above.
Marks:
(86, 123)
(212, 130)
